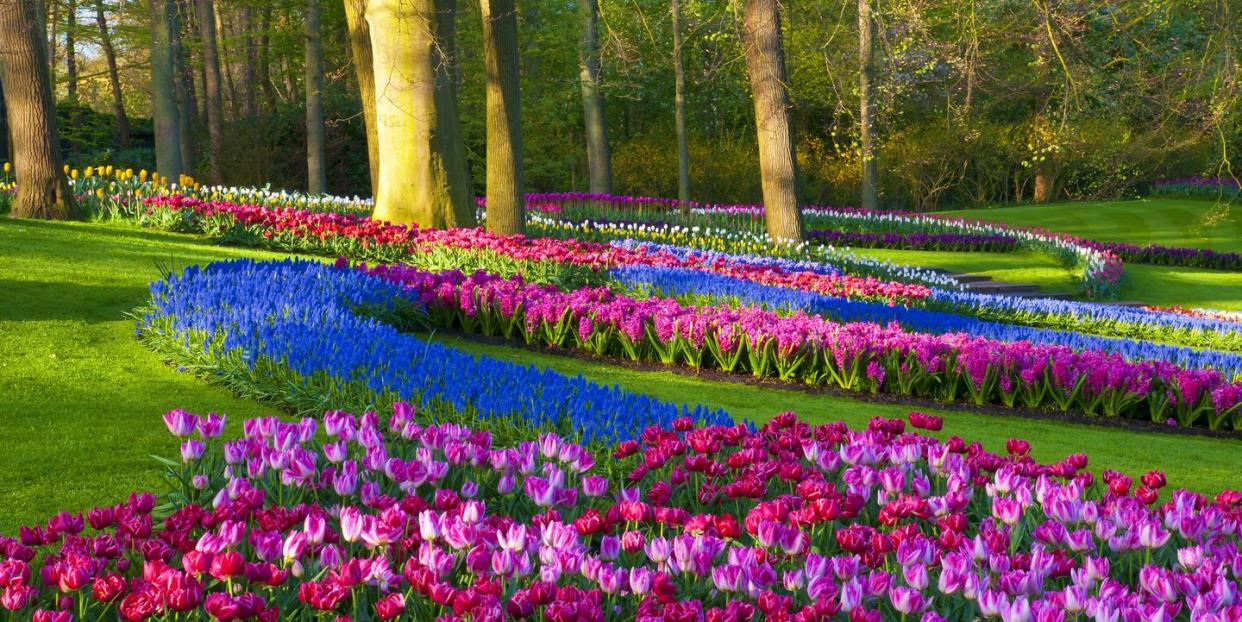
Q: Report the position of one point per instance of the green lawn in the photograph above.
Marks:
(80, 399)
(1171, 222)
(1024, 267)
(1168, 221)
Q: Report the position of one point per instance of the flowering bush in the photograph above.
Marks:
(379, 520)
(860, 356)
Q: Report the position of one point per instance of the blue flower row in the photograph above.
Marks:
(319, 319)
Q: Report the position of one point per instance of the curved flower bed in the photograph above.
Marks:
(378, 521)
(310, 329)
(738, 241)
(1205, 330)
(679, 282)
(575, 263)
(363, 238)
(852, 356)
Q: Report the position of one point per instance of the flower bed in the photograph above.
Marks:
(362, 238)
(859, 356)
(299, 330)
(574, 263)
(716, 289)
(379, 520)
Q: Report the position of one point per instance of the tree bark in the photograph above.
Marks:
(765, 62)
(52, 21)
(226, 66)
(679, 111)
(184, 88)
(506, 205)
(315, 183)
(866, 69)
(42, 190)
(114, 78)
(265, 57)
(424, 178)
(206, 12)
(250, 70)
(1043, 183)
(599, 156)
(164, 91)
(71, 52)
(360, 45)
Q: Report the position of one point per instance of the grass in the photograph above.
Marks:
(80, 399)
(1197, 223)
(1022, 267)
(1194, 462)
(1200, 223)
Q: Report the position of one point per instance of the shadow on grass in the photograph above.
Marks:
(59, 301)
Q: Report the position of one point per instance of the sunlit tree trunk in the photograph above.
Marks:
(765, 62)
(505, 204)
(114, 78)
(599, 156)
(164, 91)
(679, 111)
(424, 178)
(866, 69)
(42, 190)
(212, 94)
(314, 102)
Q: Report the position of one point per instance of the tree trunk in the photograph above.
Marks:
(866, 69)
(679, 111)
(71, 52)
(52, 45)
(6, 140)
(114, 78)
(505, 203)
(206, 12)
(599, 157)
(265, 57)
(42, 190)
(164, 91)
(765, 62)
(424, 178)
(315, 183)
(224, 61)
(1043, 183)
(360, 45)
(184, 90)
(250, 69)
